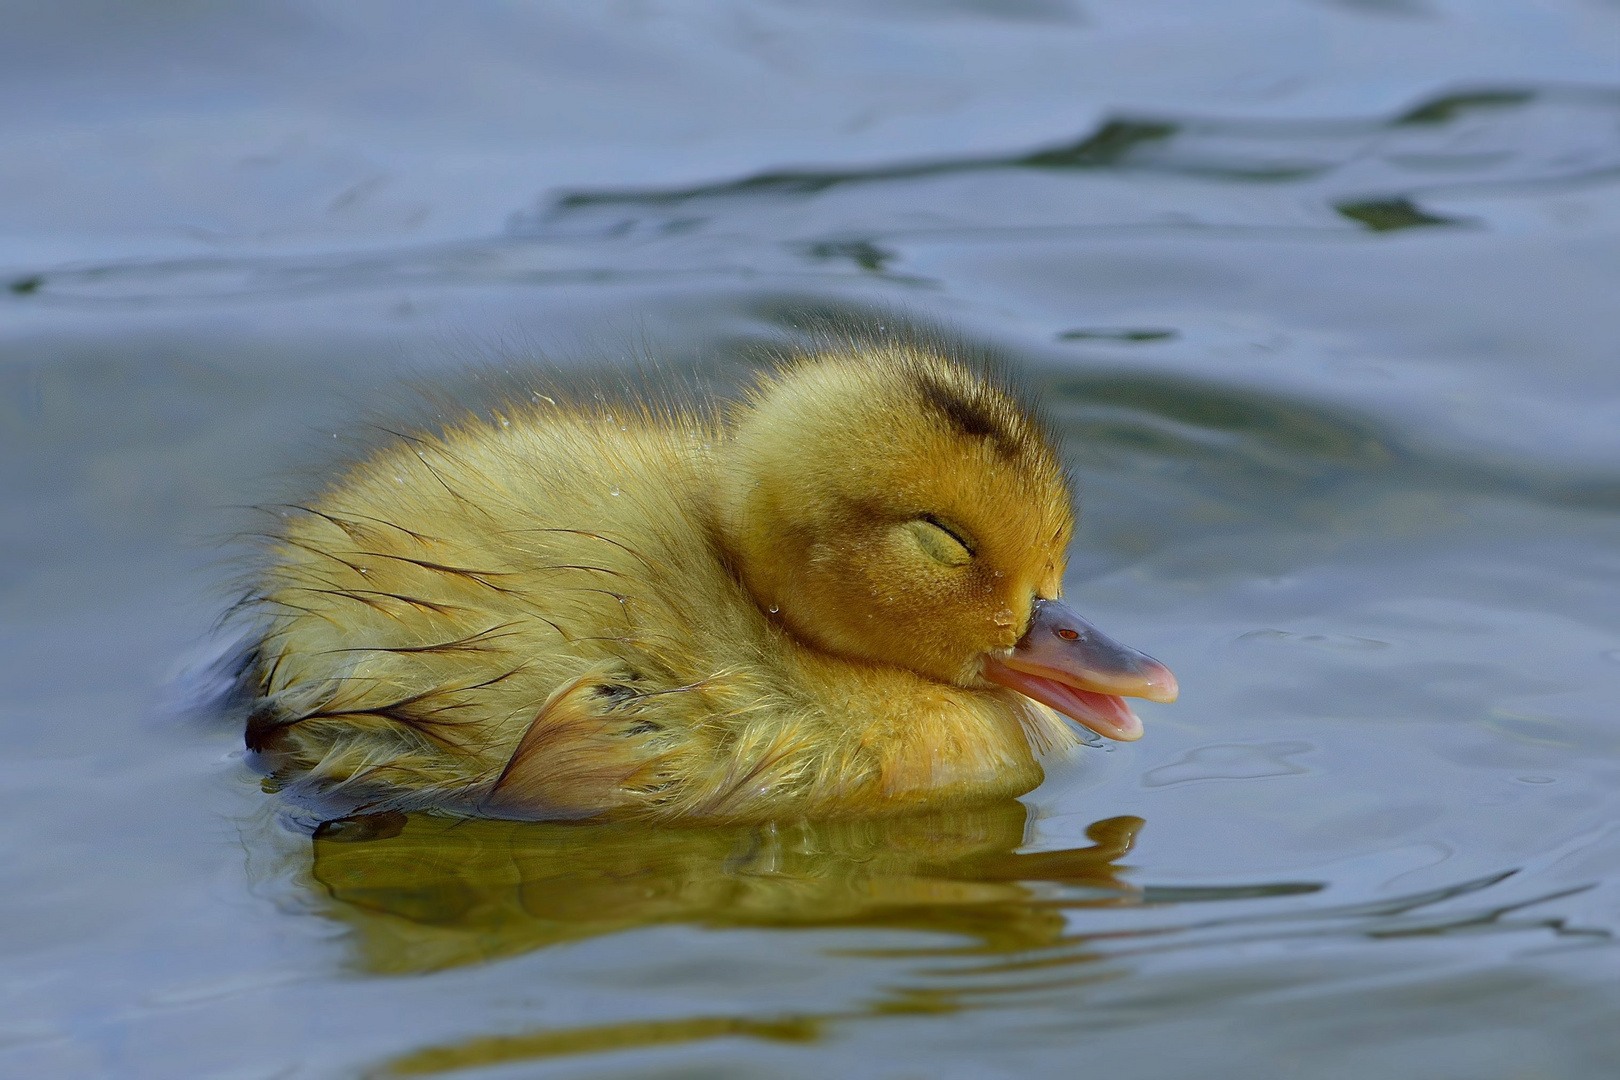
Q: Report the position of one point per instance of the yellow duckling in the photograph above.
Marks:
(837, 596)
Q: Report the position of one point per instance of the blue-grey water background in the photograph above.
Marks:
(1324, 295)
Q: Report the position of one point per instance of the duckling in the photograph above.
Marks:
(838, 595)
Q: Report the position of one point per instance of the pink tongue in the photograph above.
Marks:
(1105, 714)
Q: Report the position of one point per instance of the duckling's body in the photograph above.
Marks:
(571, 611)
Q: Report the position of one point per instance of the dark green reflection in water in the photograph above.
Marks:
(1250, 150)
(1386, 215)
(1444, 109)
(1128, 336)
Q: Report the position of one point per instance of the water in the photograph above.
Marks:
(1321, 294)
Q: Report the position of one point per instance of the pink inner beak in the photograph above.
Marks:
(1065, 662)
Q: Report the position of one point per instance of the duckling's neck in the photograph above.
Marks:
(917, 740)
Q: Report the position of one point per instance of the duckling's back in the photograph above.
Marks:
(426, 608)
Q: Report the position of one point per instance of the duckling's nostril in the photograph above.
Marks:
(1088, 659)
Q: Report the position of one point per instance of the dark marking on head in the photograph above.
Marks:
(974, 418)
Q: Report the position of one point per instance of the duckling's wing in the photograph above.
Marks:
(592, 749)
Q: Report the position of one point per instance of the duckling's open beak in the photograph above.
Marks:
(1065, 662)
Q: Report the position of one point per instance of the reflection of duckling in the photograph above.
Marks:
(426, 892)
(837, 596)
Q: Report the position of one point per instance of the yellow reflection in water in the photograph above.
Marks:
(425, 893)
(502, 1049)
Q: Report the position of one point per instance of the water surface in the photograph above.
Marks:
(1320, 294)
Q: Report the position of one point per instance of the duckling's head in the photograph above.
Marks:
(888, 504)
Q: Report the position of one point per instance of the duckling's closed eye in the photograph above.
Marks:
(941, 542)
